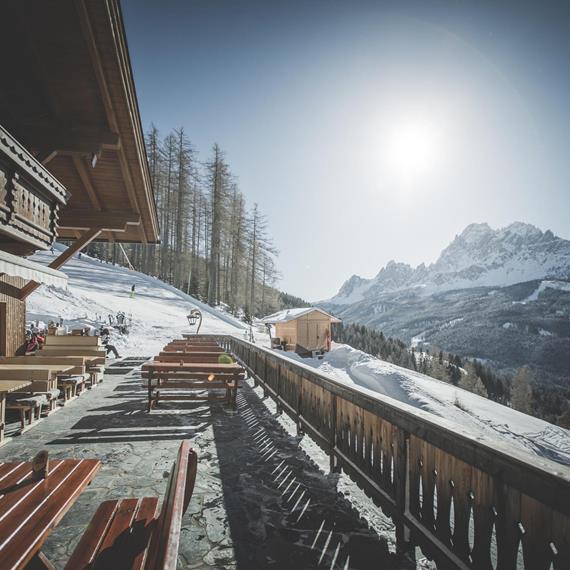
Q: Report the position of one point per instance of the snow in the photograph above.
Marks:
(291, 314)
(472, 413)
(97, 289)
(547, 284)
(479, 257)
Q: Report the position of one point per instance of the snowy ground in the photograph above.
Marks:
(159, 314)
(477, 415)
(98, 289)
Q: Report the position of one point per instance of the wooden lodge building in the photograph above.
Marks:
(304, 330)
(72, 155)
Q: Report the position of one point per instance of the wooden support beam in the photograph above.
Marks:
(59, 261)
(81, 140)
(46, 156)
(83, 219)
(86, 179)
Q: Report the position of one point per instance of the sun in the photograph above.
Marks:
(413, 149)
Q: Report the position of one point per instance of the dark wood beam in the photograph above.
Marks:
(45, 156)
(79, 139)
(59, 261)
(86, 179)
(112, 220)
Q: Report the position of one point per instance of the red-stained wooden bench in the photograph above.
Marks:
(31, 508)
(133, 533)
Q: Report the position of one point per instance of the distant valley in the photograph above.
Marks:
(502, 296)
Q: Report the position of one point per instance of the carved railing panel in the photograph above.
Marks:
(30, 196)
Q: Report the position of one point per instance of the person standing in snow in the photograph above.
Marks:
(133, 291)
(105, 337)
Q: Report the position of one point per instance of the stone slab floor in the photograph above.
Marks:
(259, 502)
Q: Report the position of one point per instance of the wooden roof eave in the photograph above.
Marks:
(140, 195)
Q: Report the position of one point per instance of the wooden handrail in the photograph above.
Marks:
(467, 501)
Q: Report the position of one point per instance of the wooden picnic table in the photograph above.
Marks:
(190, 376)
(52, 368)
(44, 374)
(30, 509)
(7, 386)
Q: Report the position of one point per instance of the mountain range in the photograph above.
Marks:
(500, 295)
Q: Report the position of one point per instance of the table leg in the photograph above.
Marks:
(149, 391)
(2, 415)
(234, 389)
(40, 562)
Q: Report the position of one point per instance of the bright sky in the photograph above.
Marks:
(367, 130)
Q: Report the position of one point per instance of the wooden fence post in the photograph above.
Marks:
(278, 391)
(333, 458)
(404, 547)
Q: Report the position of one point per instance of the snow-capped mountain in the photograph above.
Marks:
(502, 296)
(479, 256)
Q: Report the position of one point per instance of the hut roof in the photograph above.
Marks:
(292, 314)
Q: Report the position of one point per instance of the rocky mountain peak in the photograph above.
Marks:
(478, 256)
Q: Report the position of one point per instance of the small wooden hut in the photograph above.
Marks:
(304, 330)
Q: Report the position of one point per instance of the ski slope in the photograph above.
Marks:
(97, 289)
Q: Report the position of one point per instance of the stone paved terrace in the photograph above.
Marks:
(259, 501)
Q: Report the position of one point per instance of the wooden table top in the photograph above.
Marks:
(196, 353)
(183, 342)
(191, 367)
(31, 509)
(50, 367)
(7, 386)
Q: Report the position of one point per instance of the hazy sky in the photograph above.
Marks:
(367, 130)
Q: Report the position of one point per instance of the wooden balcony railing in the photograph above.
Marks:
(467, 502)
(30, 198)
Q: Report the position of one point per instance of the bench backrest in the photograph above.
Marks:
(71, 350)
(191, 348)
(194, 341)
(73, 340)
(174, 357)
(166, 538)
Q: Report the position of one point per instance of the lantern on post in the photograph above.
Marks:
(195, 316)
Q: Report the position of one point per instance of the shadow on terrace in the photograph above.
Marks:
(259, 501)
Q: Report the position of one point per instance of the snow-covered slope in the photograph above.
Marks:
(98, 289)
(478, 415)
(479, 256)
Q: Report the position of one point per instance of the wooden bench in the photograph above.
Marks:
(71, 386)
(77, 370)
(73, 340)
(43, 383)
(164, 381)
(29, 405)
(212, 357)
(133, 533)
(97, 353)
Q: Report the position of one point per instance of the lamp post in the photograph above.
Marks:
(195, 316)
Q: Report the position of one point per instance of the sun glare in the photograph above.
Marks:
(413, 149)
